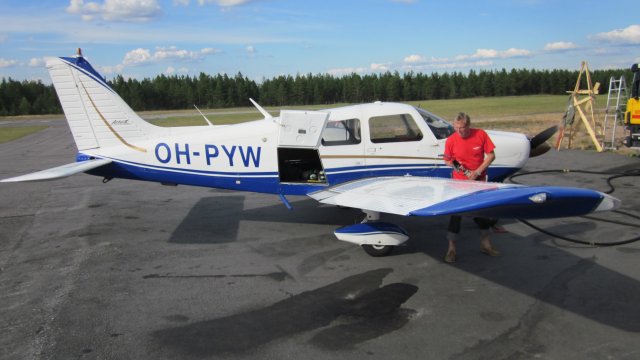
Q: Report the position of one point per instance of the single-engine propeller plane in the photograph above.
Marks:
(378, 157)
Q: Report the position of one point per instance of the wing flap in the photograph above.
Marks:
(60, 171)
(421, 196)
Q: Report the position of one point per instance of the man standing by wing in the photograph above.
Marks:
(470, 152)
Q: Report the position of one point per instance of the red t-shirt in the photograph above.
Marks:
(469, 151)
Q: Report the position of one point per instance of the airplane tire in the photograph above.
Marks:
(378, 250)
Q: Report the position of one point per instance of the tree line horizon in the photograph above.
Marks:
(178, 92)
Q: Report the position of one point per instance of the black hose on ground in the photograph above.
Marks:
(613, 176)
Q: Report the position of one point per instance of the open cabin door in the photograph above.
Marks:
(298, 142)
(301, 129)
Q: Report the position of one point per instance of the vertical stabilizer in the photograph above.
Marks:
(97, 116)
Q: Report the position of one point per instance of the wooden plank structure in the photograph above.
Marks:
(581, 102)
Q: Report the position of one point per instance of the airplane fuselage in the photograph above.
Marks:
(355, 142)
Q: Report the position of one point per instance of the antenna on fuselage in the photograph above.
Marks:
(207, 120)
(261, 109)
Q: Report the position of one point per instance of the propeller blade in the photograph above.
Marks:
(539, 150)
(543, 136)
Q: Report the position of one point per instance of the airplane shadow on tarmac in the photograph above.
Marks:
(551, 275)
(365, 309)
(215, 220)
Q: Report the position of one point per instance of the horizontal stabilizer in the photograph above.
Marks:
(60, 171)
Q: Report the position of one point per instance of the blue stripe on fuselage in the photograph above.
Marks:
(266, 182)
(192, 171)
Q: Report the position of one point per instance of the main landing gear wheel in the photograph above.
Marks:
(378, 250)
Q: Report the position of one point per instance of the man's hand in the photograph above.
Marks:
(472, 175)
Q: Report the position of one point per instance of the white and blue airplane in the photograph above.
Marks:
(377, 157)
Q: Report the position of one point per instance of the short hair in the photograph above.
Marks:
(463, 117)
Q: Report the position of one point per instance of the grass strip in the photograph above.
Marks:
(12, 133)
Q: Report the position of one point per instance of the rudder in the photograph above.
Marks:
(97, 116)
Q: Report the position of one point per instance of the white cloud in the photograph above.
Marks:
(173, 53)
(474, 64)
(209, 51)
(379, 67)
(419, 59)
(36, 62)
(116, 10)
(513, 52)
(628, 35)
(251, 50)
(447, 65)
(181, 2)
(4, 63)
(413, 59)
(346, 71)
(140, 57)
(485, 54)
(223, 3)
(137, 56)
(481, 58)
(170, 53)
(560, 46)
(75, 6)
(494, 54)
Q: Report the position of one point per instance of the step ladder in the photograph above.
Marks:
(614, 112)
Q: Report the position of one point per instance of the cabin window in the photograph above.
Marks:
(343, 132)
(440, 127)
(394, 128)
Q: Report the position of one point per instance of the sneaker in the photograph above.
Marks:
(491, 251)
(450, 257)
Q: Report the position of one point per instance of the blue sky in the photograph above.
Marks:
(267, 38)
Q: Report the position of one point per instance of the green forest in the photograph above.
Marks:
(221, 91)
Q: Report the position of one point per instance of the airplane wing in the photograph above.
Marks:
(60, 171)
(423, 196)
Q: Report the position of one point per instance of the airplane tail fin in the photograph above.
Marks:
(97, 116)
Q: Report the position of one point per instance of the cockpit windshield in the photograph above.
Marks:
(439, 126)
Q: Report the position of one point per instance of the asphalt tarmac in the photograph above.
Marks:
(134, 270)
